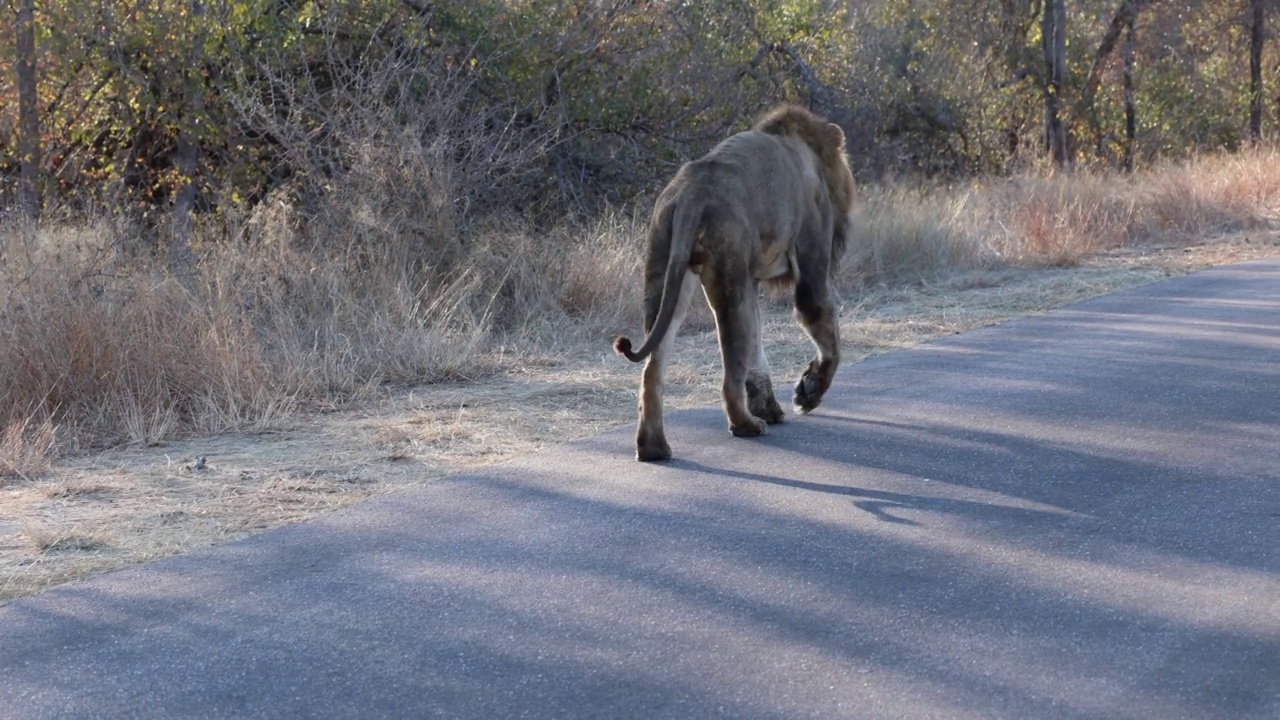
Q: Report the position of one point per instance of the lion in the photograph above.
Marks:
(769, 205)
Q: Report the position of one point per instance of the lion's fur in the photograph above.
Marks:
(827, 141)
(771, 204)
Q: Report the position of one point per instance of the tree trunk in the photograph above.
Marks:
(28, 113)
(1121, 22)
(1130, 113)
(1123, 19)
(1053, 32)
(187, 154)
(1256, 37)
(1016, 20)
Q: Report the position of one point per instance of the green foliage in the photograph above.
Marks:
(615, 93)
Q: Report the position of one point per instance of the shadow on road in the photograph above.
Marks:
(1072, 517)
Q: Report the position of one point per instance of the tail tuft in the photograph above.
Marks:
(622, 346)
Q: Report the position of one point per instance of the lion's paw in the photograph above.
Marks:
(652, 447)
(771, 413)
(808, 393)
(653, 454)
(755, 427)
(764, 406)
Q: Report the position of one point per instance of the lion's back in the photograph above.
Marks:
(762, 173)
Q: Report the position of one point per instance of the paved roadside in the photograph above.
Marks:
(1069, 516)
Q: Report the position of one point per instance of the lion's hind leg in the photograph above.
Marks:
(733, 305)
(651, 438)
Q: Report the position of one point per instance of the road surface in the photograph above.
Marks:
(1075, 515)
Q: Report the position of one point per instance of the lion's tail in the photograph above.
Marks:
(685, 220)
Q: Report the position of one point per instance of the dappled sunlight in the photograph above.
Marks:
(584, 586)
(1068, 515)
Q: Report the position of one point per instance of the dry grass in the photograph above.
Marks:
(319, 359)
(26, 448)
(284, 307)
(1059, 221)
(95, 512)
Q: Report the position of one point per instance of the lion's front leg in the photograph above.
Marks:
(760, 398)
(814, 383)
(816, 312)
(761, 401)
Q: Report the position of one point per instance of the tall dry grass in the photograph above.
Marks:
(911, 234)
(115, 348)
(100, 344)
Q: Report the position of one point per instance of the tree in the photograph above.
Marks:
(1130, 113)
(1257, 34)
(187, 155)
(1054, 38)
(28, 112)
(1122, 22)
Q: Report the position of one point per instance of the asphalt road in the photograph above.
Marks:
(1069, 516)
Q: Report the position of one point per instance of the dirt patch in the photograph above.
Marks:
(96, 513)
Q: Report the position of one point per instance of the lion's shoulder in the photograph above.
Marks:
(826, 141)
(824, 138)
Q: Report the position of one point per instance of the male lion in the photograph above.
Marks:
(771, 204)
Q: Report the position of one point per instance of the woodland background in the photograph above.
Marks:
(215, 210)
(553, 106)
